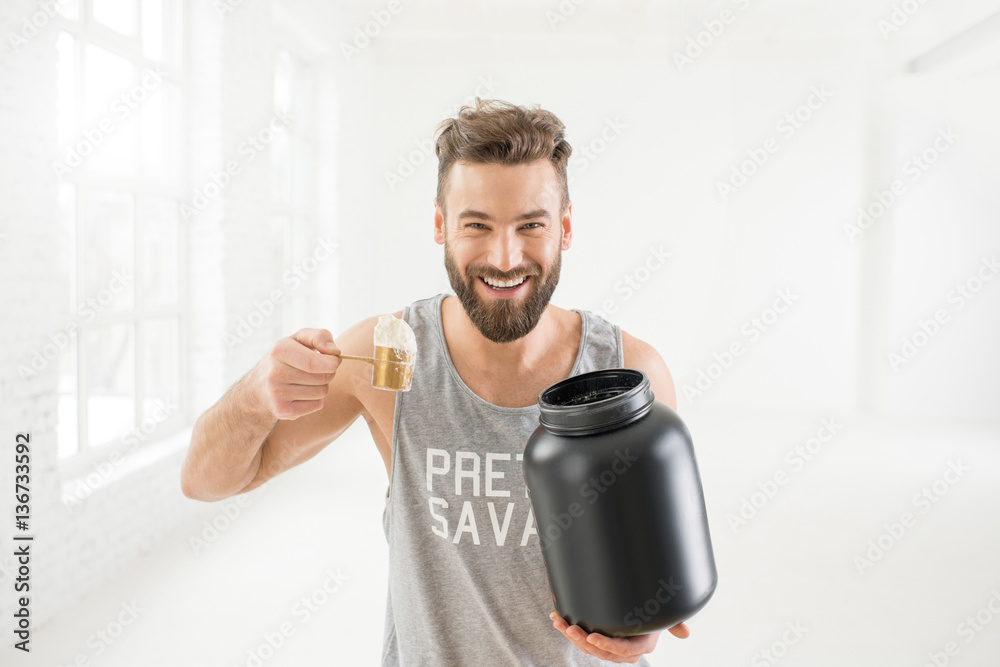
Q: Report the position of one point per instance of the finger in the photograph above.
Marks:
(627, 646)
(629, 649)
(290, 375)
(575, 635)
(301, 392)
(315, 339)
(578, 636)
(281, 375)
(299, 356)
(681, 631)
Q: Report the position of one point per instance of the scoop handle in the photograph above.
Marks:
(347, 356)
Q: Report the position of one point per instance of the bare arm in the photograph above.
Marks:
(281, 413)
(644, 357)
(226, 443)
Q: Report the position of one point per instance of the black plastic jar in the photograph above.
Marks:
(618, 505)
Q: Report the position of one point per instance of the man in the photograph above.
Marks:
(467, 582)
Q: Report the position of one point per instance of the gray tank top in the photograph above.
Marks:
(467, 583)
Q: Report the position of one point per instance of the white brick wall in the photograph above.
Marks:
(230, 263)
(31, 280)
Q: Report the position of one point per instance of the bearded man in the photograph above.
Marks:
(467, 580)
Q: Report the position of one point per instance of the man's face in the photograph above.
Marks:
(503, 225)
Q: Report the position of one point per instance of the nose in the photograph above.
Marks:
(506, 251)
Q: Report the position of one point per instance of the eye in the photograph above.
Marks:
(537, 224)
(475, 225)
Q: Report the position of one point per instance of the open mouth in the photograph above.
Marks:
(505, 287)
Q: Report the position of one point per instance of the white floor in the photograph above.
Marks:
(792, 565)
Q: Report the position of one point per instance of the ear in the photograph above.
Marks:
(438, 225)
(567, 228)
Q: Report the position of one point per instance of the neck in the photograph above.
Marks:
(524, 353)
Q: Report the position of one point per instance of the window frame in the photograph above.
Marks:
(85, 30)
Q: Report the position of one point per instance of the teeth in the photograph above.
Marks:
(504, 283)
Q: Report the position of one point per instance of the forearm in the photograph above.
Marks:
(226, 444)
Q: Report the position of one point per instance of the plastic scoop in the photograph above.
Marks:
(395, 354)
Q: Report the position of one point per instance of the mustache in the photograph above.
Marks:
(496, 275)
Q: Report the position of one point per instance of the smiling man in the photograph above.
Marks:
(467, 582)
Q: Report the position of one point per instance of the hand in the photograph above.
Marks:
(615, 649)
(292, 380)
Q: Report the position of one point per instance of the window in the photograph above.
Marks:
(118, 165)
(293, 160)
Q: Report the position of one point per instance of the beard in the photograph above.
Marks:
(503, 320)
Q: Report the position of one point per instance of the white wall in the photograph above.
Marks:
(653, 186)
(656, 185)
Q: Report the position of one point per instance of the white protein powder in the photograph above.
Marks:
(394, 332)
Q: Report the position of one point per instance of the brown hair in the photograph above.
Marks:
(497, 132)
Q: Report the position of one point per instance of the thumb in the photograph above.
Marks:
(681, 631)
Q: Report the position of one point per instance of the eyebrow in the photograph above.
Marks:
(479, 215)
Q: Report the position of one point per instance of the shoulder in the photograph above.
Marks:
(642, 356)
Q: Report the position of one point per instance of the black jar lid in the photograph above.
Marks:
(595, 401)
